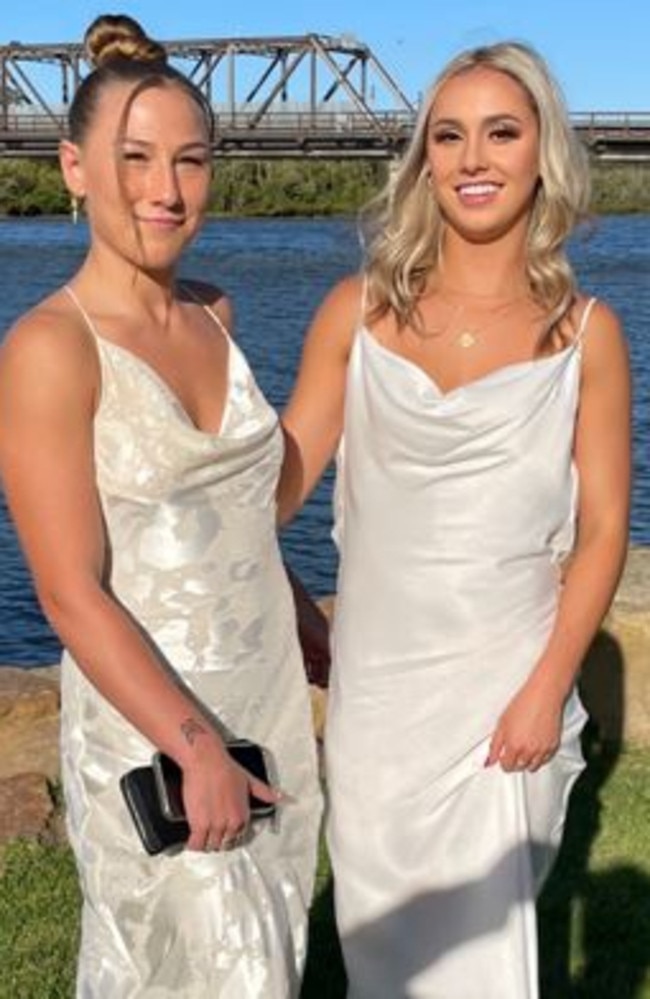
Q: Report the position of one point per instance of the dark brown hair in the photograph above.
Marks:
(119, 50)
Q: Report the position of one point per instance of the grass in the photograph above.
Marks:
(594, 913)
(39, 917)
(595, 909)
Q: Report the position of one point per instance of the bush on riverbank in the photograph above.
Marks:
(295, 187)
(31, 188)
(620, 187)
(239, 188)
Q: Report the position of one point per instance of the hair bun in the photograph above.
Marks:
(118, 36)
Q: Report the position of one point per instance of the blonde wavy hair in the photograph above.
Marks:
(402, 227)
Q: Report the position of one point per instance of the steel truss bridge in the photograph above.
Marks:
(309, 96)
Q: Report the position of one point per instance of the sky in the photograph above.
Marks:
(598, 50)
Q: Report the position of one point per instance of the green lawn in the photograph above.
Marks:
(594, 914)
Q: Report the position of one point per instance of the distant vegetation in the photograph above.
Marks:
(621, 187)
(242, 187)
(293, 187)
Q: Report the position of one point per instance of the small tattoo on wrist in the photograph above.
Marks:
(191, 730)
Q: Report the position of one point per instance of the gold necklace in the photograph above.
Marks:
(468, 335)
(466, 339)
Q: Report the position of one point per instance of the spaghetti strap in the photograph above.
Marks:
(84, 315)
(89, 323)
(584, 319)
(210, 311)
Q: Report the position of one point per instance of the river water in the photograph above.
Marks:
(276, 271)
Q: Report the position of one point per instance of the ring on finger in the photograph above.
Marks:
(236, 840)
(214, 844)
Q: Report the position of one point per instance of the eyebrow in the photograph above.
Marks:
(198, 144)
(492, 119)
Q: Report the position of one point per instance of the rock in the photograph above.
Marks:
(26, 807)
(29, 721)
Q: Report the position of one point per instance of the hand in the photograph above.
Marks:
(528, 732)
(313, 633)
(216, 794)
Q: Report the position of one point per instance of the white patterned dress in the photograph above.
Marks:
(456, 510)
(190, 521)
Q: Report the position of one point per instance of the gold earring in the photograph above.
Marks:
(76, 204)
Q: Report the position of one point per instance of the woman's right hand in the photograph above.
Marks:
(216, 793)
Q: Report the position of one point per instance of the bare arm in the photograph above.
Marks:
(529, 731)
(313, 419)
(48, 383)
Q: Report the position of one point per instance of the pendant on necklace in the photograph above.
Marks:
(466, 339)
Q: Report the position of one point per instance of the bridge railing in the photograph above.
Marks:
(602, 123)
(597, 122)
(21, 122)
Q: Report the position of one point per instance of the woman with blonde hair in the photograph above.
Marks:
(140, 462)
(479, 403)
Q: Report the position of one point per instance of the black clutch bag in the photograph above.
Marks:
(157, 832)
(154, 797)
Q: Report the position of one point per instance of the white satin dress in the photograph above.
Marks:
(455, 510)
(190, 522)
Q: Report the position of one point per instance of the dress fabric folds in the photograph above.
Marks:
(454, 513)
(193, 553)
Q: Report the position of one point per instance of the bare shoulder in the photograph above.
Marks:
(604, 339)
(605, 362)
(339, 314)
(344, 299)
(214, 298)
(48, 346)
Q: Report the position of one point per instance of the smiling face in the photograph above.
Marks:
(483, 152)
(144, 169)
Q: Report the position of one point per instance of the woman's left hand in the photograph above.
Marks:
(528, 732)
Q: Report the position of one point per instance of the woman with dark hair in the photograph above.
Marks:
(480, 406)
(140, 462)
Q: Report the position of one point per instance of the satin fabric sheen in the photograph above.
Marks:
(190, 521)
(454, 512)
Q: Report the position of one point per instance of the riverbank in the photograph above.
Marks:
(286, 188)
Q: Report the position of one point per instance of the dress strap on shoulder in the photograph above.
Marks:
(584, 319)
(214, 315)
(84, 315)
